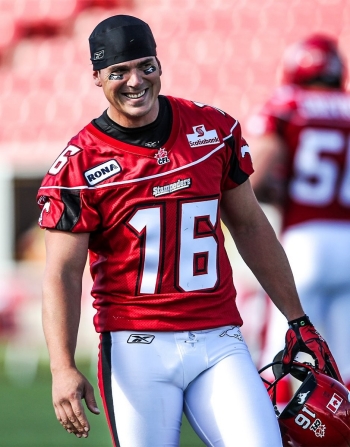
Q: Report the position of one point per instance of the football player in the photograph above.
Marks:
(142, 188)
(300, 141)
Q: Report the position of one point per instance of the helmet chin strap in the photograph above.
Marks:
(274, 398)
(277, 371)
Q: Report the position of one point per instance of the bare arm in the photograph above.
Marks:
(259, 247)
(66, 255)
(269, 157)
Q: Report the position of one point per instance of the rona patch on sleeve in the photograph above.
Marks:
(102, 172)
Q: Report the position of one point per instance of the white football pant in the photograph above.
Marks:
(147, 380)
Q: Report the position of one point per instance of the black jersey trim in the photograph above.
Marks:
(235, 173)
(151, 136)
(72, 210)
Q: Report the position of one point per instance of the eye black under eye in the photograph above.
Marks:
(115, 77)
(150, 70)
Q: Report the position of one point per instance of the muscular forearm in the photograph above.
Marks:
(61, 316)
(66, 255)
(266, 258)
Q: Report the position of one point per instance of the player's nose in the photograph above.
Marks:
(135, 78)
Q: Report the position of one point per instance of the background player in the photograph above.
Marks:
(300, 141)
(143, 188)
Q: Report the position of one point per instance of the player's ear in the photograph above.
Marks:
(97, 79)
(160, 67)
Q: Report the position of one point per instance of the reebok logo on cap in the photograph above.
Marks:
(99, 55)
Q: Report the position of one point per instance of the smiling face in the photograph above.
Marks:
(132, 89)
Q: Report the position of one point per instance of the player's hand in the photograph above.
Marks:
(303, 337)
(69, 388)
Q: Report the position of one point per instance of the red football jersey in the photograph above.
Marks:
(156, 249)
(315, 125)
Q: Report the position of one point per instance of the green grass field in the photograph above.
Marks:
(27, 418)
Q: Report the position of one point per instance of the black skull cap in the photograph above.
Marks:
(120, 38)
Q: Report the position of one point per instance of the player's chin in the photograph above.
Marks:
(138, 110)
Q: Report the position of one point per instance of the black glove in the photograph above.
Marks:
(303, 337)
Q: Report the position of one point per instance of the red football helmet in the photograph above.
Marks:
(318, 415)
(315, 59)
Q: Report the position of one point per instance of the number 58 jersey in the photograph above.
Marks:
(314, 125)
(156, 246)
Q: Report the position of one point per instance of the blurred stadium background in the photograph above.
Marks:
(222, 52)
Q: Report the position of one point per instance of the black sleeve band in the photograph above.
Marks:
(235, 173)
(72, 209)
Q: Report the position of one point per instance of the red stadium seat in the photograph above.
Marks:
(65, 83)
(40, 54)
(10, 32)
(63, 106)
(11, 108)
(38, 17)
(103, 3)
(93, 104)
(90, 17)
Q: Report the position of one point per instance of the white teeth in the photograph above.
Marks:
(136, 95)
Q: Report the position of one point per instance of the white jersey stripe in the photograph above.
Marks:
(124, 182)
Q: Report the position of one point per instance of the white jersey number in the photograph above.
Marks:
(319, 178)
(198, 252)
(62, 160)
(147, 222)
